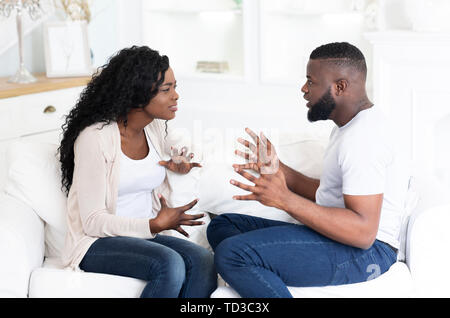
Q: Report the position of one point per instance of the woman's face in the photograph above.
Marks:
(164, 104)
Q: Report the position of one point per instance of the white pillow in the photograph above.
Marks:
(185, 188)
(34, 178)
(301, 153)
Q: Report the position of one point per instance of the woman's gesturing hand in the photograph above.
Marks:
(172, 218)
(180, 161)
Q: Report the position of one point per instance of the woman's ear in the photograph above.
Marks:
(340, 86)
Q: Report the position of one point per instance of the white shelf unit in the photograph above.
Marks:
(410, 82)
(263, 41)
(193, 31)
(291, 30)
(267, 45)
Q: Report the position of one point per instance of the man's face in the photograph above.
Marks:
(317, 91)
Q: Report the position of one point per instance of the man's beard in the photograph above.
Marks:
(323, 108)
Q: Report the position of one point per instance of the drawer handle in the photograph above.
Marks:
(49, 109)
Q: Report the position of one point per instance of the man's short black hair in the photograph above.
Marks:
(342, 54)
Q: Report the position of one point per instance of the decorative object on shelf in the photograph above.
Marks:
(358, 5)
(238, 3)
(212, 67)
(374, 15)
(76, 10)
(67, 52)
(22, 76)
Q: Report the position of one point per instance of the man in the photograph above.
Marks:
(350, 218)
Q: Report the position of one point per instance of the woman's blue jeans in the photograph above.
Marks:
(259, 257)
(173, 267)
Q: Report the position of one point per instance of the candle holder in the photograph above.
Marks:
(34, 10)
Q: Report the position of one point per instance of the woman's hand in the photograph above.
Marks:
(180, 161)
(270, 188)
(172, 218)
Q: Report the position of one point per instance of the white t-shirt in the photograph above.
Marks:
(137, 180)
(362, 159)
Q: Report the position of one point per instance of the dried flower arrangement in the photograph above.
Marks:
(75, 10)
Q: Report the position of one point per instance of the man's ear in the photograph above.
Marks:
(340, 86)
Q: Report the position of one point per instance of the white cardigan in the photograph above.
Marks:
(92, 197)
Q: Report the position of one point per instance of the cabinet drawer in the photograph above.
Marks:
(35, 113)
(47, 111)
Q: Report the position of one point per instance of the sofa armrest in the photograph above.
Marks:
(427, 252)
(22, 246)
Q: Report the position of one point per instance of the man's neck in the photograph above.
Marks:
(350, 110)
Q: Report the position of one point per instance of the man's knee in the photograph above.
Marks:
(229, 253)
(216, 223)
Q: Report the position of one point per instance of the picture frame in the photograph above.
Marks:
(67, 51)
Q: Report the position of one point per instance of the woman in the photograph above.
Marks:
(111, 154)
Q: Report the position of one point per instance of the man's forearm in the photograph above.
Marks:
(340, 224)
(299, 183)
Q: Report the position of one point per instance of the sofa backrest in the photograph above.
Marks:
(301, 152)
(34, 178)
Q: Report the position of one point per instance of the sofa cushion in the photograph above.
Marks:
(396, 282)
(34, 178)
(51, 281)
(300, 152)
(21, 246)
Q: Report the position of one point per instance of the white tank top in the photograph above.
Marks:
(137, 179)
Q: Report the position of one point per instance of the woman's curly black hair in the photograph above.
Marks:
(130, 79)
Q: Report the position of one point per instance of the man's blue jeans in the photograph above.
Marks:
(173, 267)
(259, 257)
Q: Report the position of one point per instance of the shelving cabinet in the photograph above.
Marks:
(190, 32)
(291, 30)
(261, 41)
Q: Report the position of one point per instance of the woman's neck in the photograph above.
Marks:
(135, 124)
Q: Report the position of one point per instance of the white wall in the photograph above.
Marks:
(33, 54)
(116, 24)
(103, 38)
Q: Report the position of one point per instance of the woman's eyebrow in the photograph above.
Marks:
(169, 84)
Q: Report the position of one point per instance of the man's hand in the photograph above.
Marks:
(180, 161)
(172, 218)
(263, 154)
(270, 188)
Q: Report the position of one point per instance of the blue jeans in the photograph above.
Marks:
(173, 267)
(259, 257)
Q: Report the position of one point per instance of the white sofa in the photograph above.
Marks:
(32, 227)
